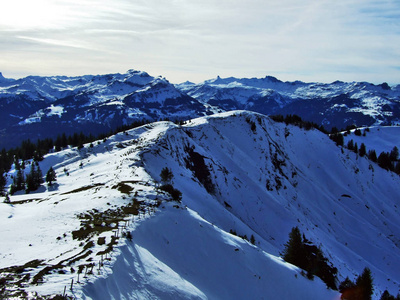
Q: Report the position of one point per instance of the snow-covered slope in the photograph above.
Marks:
(335, 104)
(277, 177)
(378, 138)
(237, 171)
(179, 255)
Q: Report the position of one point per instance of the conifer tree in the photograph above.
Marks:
(372, 155)
(30, 179)
(397, 168)
(3, 181)
(166, 175)
(337, 138)
(302, 253)
(350, 145)
(35, 178)
(363, 150)
(19, 179)
(384, 161)
(386, 296)
(346, 284)
(294, 250)
(365, 283)
(394, 154)
(51, 176)
(38, 175)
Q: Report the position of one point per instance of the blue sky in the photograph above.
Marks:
(322, 40)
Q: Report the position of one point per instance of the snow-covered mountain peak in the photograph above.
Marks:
(93, 103)
(138, 77)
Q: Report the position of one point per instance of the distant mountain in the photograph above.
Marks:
(240, 174)
(38, 107)
(336, 104)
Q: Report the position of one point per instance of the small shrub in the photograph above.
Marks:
(176, 194)
(129, 235)
(166, 175)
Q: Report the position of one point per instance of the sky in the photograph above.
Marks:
(195, 40)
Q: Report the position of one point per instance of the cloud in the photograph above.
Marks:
(193, 39)
(54, 42)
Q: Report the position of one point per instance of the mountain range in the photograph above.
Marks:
(40, 107)
(338, 104)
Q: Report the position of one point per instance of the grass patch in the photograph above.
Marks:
(95, 222)
(110, 246)
(84, 188)
(14, 278)
(123, 188)
(25, 201)
(20, 269)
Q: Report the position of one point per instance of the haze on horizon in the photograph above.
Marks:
(352, 40)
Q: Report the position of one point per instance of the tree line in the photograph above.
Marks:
(36, 150)
(298, 121)
(28, 182)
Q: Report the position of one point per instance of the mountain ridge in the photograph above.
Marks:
(266, 177)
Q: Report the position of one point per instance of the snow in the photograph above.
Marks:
(30, 120)
(55, 110)
(178, 255)
(273, 178)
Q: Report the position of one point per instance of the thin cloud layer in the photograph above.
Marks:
(195, 40)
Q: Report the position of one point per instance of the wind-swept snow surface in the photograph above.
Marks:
(238, 172)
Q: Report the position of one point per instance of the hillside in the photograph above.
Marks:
(378, 138)
(237, 171)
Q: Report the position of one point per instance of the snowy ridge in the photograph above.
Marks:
(265, 178)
